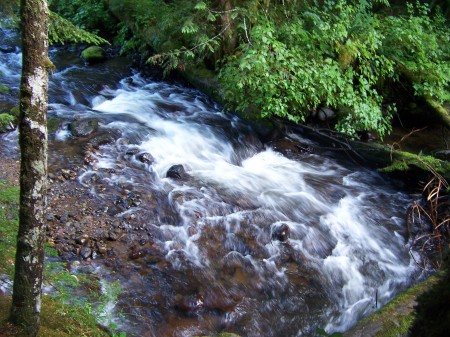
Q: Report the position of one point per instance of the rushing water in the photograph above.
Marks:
(251, 240)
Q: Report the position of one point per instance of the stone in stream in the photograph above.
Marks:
(104, 137)
(188, 303)
(83, 127)
(176, 172)
(145, 158)
(132, 151)
(280, 232)
(289, 147)
(94, 54)
(218, 299)
(85, 252)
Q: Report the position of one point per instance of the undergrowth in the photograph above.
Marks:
(429, 220)
(73, 304)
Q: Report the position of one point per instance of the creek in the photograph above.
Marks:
(223, 230)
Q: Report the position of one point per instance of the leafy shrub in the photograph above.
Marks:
(325, 56)
(63, 31)
(89, 15)
(418, 45)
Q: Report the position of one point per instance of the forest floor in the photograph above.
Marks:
(9, 171)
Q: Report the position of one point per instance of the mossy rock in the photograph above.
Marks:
(4, 90)
(94, 54)
(83, 127)
(15, 111)
(6, 122)
(409, 162)
(396, 318)
(53, 124)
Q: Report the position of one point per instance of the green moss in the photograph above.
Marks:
(15, 111)
(52, 124)
(4, 90)
(403, 161)
(433, 308)
(93, 54)
(5, 121)
(397, 317)
(440, 110)
(57, 320)
(9, 224)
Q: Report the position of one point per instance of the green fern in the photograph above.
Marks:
(63, 31)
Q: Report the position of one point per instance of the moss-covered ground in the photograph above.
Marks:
(57, 319)
(396, 318)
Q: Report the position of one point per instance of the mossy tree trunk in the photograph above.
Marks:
(27, 290)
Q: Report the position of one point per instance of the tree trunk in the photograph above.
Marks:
(27, 292)
(229, 41)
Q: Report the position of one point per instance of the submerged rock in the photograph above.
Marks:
(85, 252)
(188, 303)
(280, 232)
(104, 137)
(83, 127)
(176, 172)
(145, 158)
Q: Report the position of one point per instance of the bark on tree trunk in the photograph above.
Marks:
(229, 42)
(26, 302)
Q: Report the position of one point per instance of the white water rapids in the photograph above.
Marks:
(346, 224)
(344, 249)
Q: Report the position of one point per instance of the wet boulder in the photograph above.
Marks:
(323, 114)
(93, 54)
(290, 147)
(176, 172)
(104, 136)
(83, 127)
(280, 232)
(145, 158)
(131, 152)
(218, 299)
(188, 303)
(86, 252)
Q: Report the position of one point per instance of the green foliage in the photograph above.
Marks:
(325, 56)
(62, 31)
(293, 56)
(191, 28)
(4, 90)
(89, 15)
(418, 45)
